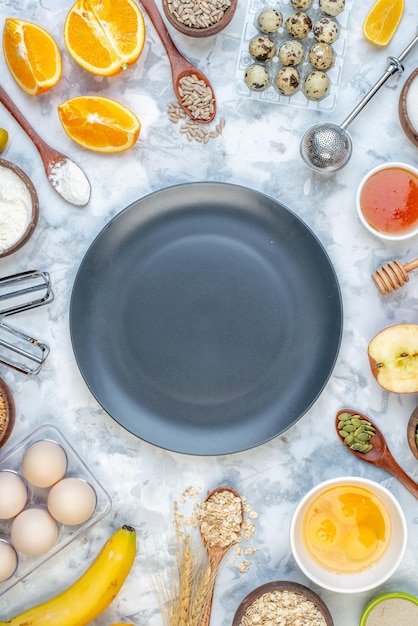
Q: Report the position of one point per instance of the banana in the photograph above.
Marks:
(85, 599)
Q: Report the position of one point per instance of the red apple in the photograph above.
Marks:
(393, 357)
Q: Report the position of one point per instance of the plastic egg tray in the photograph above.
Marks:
(271, 94)
(12, 460)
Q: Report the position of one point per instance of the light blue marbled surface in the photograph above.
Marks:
(259, 149)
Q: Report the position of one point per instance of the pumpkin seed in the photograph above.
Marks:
(363, 436)
(356, 432)
(349, 428)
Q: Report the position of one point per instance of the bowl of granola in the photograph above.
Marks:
(287, 601)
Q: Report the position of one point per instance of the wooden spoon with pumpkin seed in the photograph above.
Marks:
(379, 454)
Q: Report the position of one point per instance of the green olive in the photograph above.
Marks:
(4, 138)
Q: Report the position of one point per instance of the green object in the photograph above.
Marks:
(356, 432)
(385, 596)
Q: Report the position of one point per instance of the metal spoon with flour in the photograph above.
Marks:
(65, 176)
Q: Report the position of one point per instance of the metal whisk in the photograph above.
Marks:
(327, 147)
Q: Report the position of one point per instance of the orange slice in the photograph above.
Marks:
(382, 21)
(32, 56)
(104, 36)
(99, 124)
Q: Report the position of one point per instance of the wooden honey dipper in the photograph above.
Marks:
(393, 275)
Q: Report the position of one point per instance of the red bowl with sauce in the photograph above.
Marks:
(387, 201)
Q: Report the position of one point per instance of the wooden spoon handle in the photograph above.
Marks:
(8, 103)
(173, 53)
(215, 560)
(390, 465)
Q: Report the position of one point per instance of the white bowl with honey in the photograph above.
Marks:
(348, 534)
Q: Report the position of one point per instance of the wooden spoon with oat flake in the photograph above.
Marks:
(182, 69)
(221, 522)
(67, 178)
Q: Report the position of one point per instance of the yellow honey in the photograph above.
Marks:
(346, 529)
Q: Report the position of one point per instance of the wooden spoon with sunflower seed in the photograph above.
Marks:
(379, 453)
(193, 90)
(220, 522)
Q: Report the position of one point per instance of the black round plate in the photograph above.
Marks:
(206, 318)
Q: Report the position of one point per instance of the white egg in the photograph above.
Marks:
(33, 531)
(44, 463)
(8, 560)
(72, 501)
(13, 494)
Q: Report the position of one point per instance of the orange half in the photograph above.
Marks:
(32, 56)
(104, 36)
(99, 124)
(382, 21)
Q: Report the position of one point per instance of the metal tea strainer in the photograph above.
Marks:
(327, 147)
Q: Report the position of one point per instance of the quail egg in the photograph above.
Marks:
(316, 85)
(321, 56)
(298, 25)
(269, 21)
(291, 53)
(256, 77)
(287, 80)
(326, 30)
(262, 49)
(331, 7)
(301, 5)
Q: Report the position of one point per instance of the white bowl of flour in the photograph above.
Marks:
(19, 208)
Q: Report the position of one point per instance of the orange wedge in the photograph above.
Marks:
(104, 36)
(32, 56)
(99, 124)
(382, 21)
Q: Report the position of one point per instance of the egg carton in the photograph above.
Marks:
(12, 460)
(271, 93)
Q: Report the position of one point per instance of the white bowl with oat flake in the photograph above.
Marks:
(292, 602)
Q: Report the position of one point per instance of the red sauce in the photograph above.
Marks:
(389, 201)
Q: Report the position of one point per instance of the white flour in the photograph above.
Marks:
(412, 103)
(70, 182)
(15, 208)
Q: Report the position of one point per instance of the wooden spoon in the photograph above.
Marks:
(54, 162)
(180, 66)
(216, 554)
(393, 275)
(380, 454)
